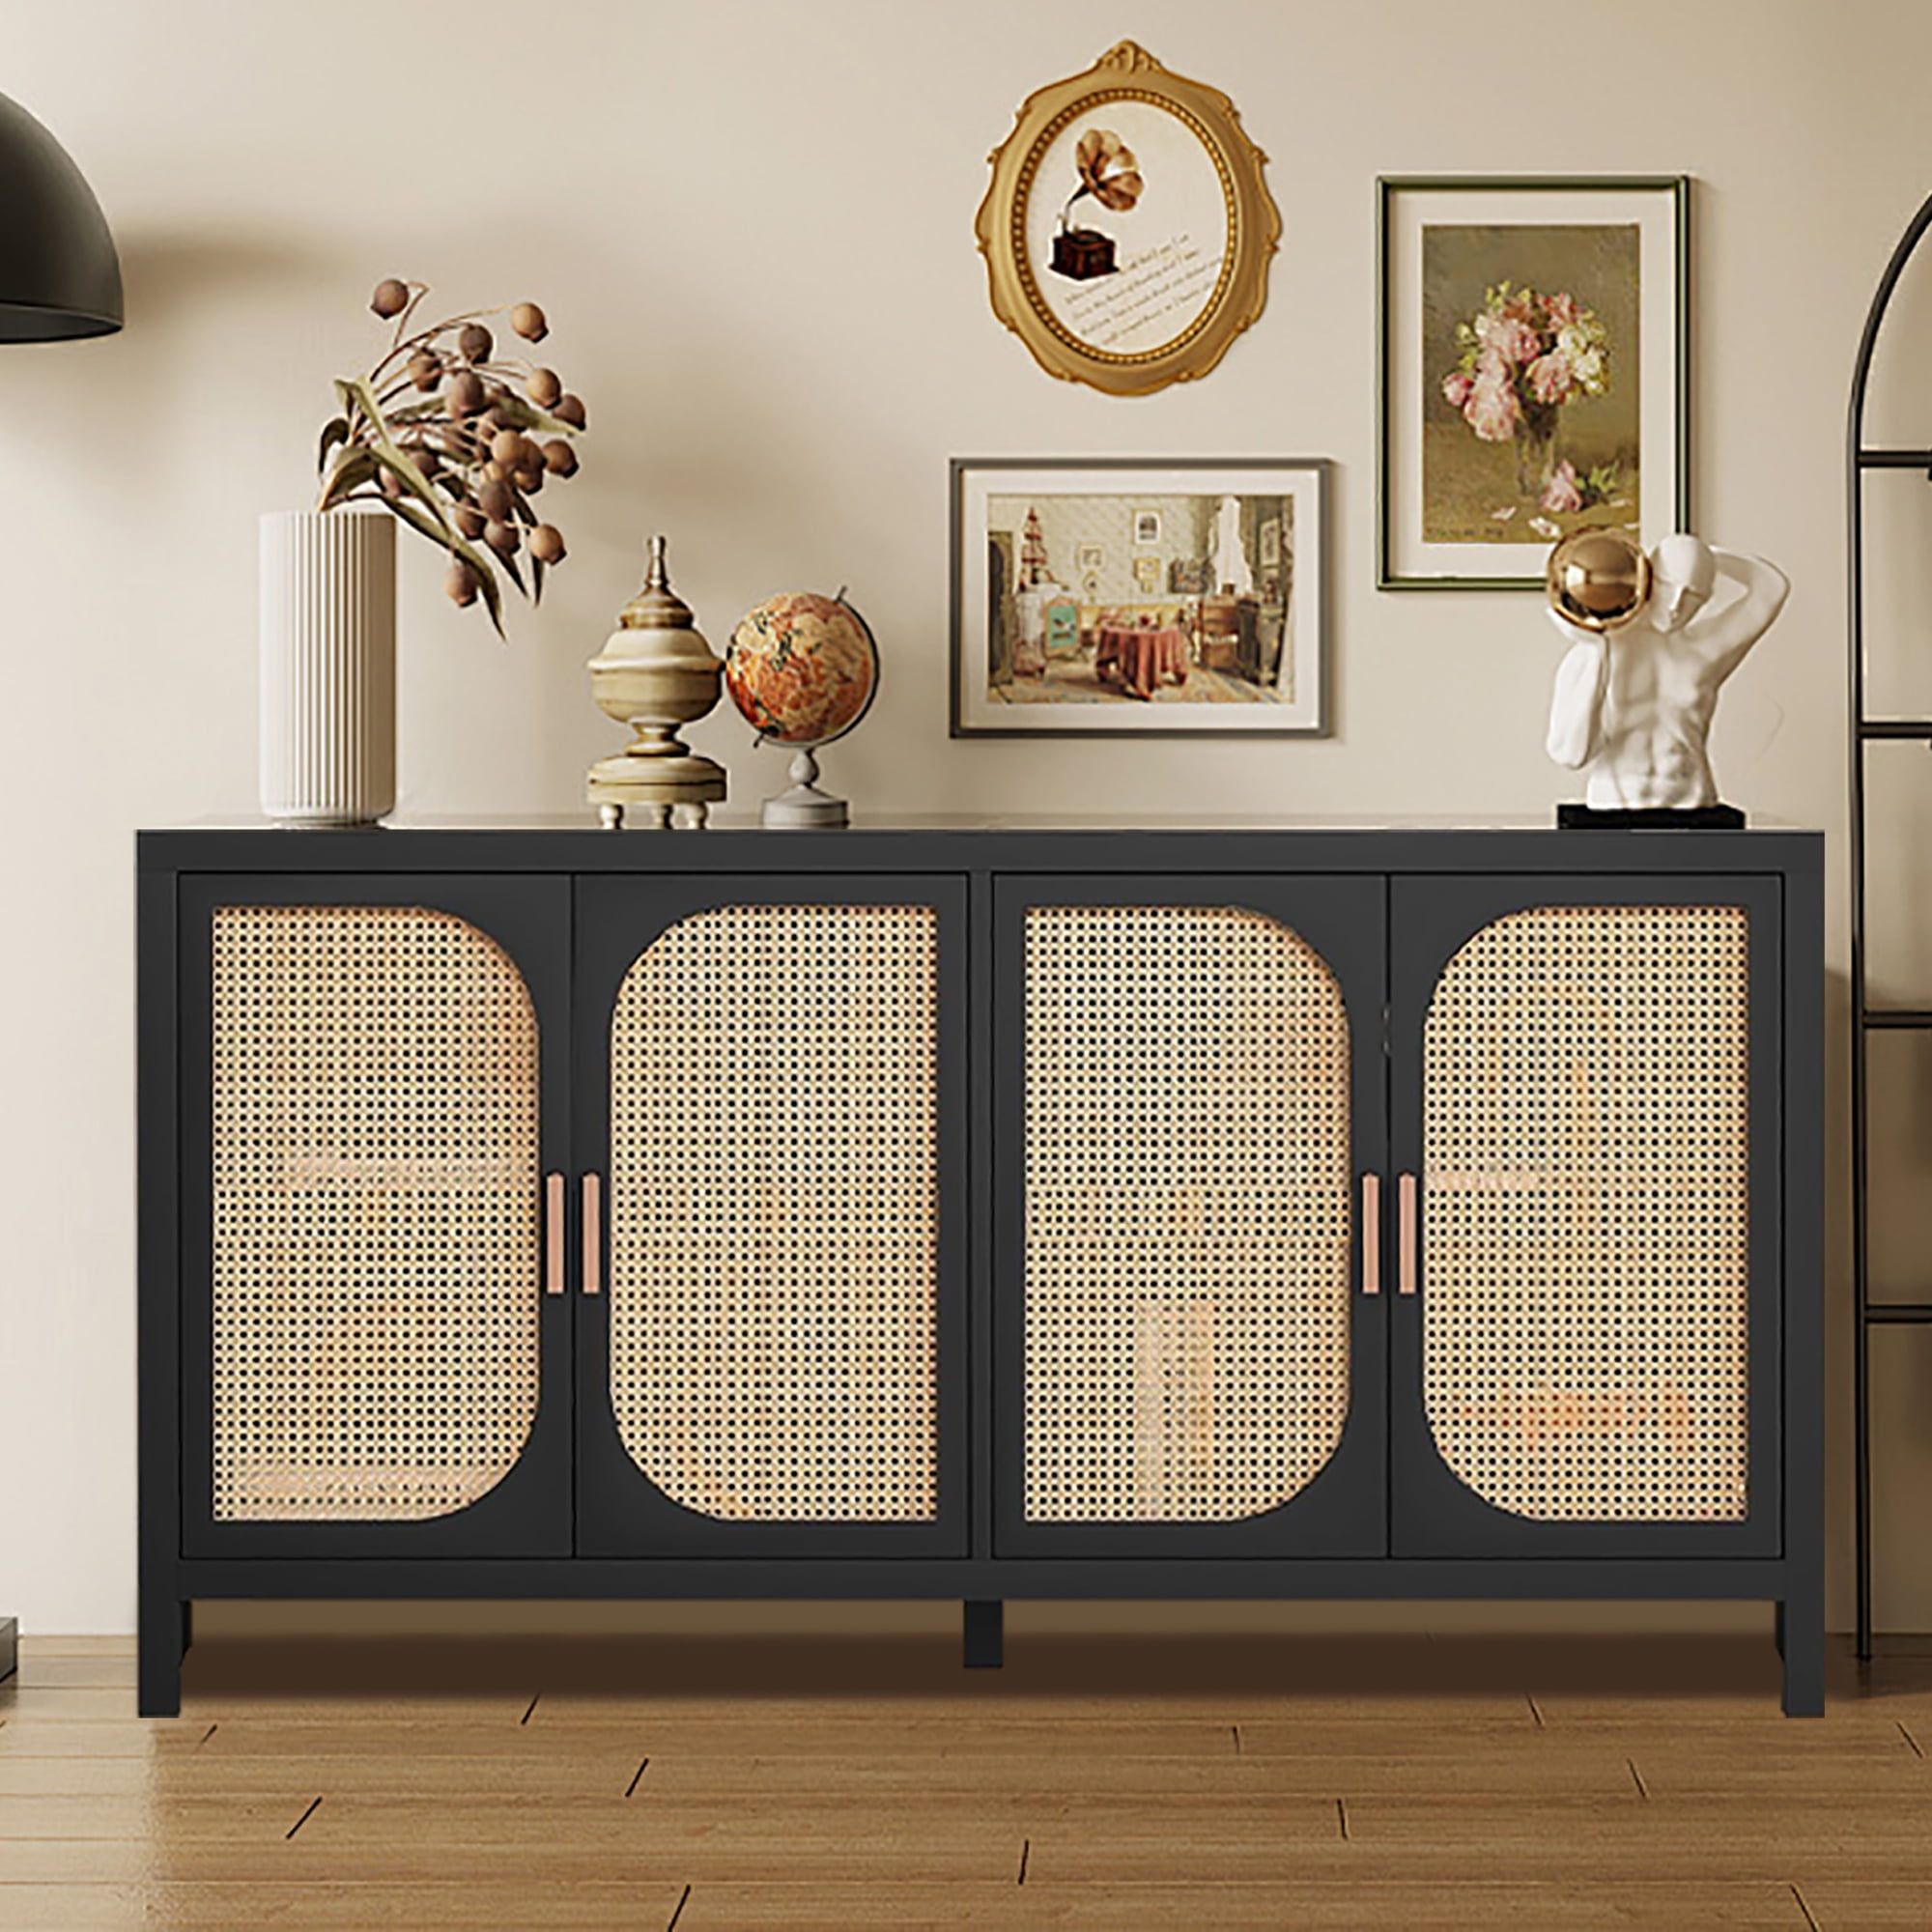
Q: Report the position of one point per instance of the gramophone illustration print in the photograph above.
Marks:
(1110, 174)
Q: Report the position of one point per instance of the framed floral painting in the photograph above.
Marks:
(1535, 363)
(1110, 597)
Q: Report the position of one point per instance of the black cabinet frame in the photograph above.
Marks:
(179, 873)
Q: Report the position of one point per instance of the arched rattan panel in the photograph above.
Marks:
(1585, 1145)
(1188, 1214)
(774, 1212)
(375, 1290)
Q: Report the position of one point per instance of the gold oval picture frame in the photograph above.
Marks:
(1170, 261)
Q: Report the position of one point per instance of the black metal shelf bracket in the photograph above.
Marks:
(1862, 457)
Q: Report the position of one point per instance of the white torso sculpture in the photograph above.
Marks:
(1632, 707)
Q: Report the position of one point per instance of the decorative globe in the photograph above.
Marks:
(802, 667)
(1598, 579)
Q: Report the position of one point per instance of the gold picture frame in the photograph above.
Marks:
(1169, 312)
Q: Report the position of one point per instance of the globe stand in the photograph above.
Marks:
(802, 804)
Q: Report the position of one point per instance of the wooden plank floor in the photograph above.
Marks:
(1104, 1782)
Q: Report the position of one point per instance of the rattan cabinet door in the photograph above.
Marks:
(771, 1096)
(371, 1365)
(1586, 1087)
(1188, 1121)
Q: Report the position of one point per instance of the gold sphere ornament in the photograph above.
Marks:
(1598, 579)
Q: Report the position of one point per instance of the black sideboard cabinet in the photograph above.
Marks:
(980, 1212)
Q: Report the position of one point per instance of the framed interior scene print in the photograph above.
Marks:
(1128, 230)
(1117, 597)
(1535, 363)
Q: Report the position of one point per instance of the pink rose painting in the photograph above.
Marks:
(1562, 494)
(1493, 410)
(1530, 381)
(1524, 355)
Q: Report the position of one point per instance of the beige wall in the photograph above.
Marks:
(751, 225)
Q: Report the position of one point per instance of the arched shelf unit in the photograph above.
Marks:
(1861, 458)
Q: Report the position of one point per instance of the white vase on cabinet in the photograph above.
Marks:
(328, 667)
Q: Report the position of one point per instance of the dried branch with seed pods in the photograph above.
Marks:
(445, 432)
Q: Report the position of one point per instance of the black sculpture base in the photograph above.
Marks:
(1650, 819)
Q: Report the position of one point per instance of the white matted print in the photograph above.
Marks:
(1533, 373)
(1215, 627)
(1134, 278)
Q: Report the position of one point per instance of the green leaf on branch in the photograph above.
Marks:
(453, 542)
(392, 456)
(395, 461)
(512, 408)
(353, 468)
(526, 415)
(334, 431)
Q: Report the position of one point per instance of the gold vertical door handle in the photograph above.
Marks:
(1405, 1254)
(1372, 1233)
(593, 1235)
(553, 1234)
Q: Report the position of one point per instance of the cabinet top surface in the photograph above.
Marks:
(970, 842)
(746, 819)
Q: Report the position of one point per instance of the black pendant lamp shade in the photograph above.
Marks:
(59, 276)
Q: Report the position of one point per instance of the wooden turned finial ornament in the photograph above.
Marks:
(656, 674)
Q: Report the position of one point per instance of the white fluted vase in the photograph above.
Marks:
(329, 666)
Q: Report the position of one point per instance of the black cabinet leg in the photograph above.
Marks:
(1778, 1627)
(187, 1627)
(163, 1627)
(1802, 1627)
(986, 1635)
